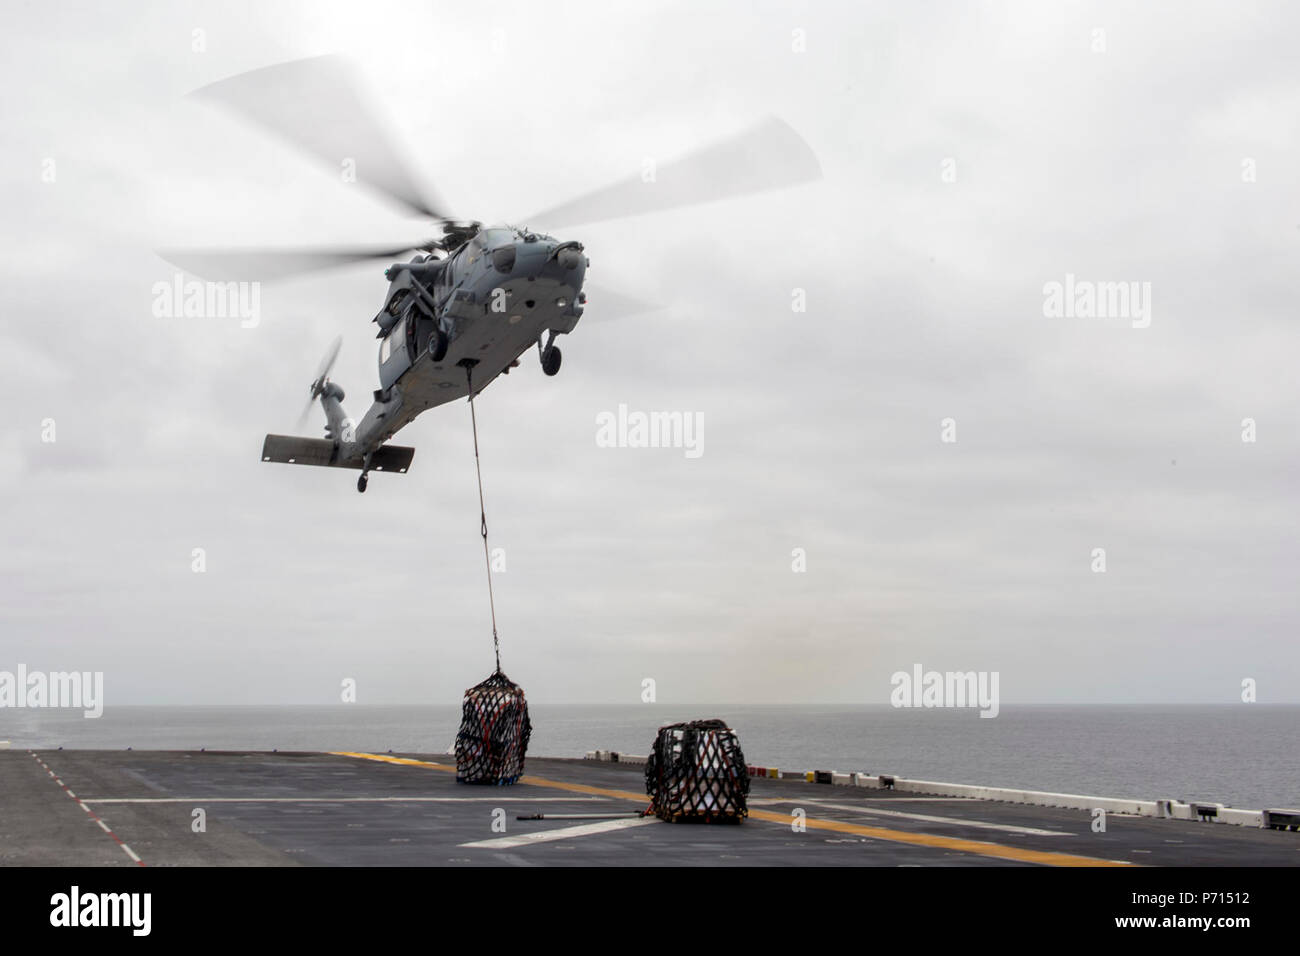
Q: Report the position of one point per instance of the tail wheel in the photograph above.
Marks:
(551, 359)
(438, 345)
(361, 484)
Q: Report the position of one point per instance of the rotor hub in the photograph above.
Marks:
(457, 232)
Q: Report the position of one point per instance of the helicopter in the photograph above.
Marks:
(467, 305)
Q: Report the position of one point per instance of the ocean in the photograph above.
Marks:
(1242, 755)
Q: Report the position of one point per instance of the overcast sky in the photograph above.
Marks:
(972, 154)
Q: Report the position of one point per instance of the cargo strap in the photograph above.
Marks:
(487, 559)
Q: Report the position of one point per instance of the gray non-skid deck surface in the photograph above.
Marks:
(321, 809)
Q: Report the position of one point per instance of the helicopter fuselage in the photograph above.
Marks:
(477, 311)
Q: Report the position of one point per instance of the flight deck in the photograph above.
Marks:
(172, 808)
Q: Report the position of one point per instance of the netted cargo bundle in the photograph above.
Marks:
(697, 772)
(494, 732)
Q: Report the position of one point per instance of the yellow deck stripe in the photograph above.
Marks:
(977, 847)
(407, 761)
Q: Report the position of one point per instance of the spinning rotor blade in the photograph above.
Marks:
(302, 419)
(767, 156)
(604, 304)
(327, 363)
(322, 372)
(267, 264)
(317, 105)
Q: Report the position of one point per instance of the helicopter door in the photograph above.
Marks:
(409, 326)
(395, 352)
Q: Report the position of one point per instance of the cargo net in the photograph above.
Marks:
(697, 772)
(494, 732)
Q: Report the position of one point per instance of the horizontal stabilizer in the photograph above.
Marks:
(292, 450)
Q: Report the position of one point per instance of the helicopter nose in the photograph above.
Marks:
(560, 261)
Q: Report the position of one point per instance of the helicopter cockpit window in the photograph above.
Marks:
(497, 237)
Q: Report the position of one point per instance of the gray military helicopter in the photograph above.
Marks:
(469, 304)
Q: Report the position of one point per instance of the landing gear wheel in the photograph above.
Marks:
(551, 360)
(361, 484)
(438, 345)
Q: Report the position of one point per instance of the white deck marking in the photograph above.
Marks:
(933, 800)
(199, 800)
(563, 833)
(770, 800)
(926, 818)
(81, 803)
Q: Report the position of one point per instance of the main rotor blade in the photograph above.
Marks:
(604, 304)
(767, 156)
(268, 264)
(317, 105)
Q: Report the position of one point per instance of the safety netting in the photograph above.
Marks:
(494, 732)
(697, 772)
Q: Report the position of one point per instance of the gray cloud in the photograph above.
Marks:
(925, 301)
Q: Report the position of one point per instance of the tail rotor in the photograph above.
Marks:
(321, 381)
